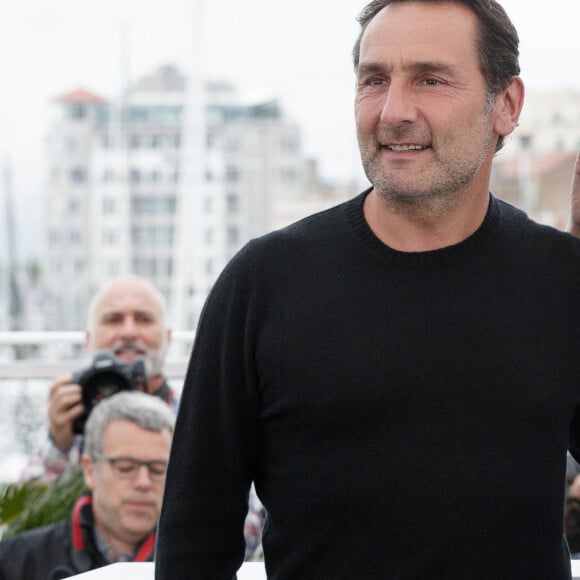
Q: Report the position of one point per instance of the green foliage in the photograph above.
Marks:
(15, 497)
(31, 505)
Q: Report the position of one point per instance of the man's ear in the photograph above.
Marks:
(508, 106)
(87, 340)
(88, 465)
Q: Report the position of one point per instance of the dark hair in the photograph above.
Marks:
(497, 43)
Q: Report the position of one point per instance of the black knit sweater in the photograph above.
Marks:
(404, 415)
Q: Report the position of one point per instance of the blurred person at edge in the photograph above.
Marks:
(126, 316)
(127, 442)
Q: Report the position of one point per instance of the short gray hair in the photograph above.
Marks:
(147, 411)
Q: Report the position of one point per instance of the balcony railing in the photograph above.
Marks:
(41, 352)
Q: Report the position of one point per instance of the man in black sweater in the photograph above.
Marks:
(125, 459)
(399, 375)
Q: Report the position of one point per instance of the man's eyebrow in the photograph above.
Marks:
(139, 312)
(433, 66)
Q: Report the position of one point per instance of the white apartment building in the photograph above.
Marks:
(122, 196)
(4, 249)
(11, 307)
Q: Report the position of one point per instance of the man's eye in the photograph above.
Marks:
(432, 82)
(111, 320)
(125, 467)
(145, 319)
(157, 469)
(376, 82)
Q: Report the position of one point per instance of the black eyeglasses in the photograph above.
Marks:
(128, 467)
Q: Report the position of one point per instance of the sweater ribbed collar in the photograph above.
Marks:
(355, 217)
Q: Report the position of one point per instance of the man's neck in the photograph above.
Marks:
(423, 228)
(113, 549)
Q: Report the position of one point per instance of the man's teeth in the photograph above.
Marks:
(405, 147)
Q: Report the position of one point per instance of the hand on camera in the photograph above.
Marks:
(64, 406)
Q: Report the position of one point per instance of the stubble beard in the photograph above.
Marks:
(153, 359)
(441, 184)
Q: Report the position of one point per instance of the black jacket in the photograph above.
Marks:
(59, 550)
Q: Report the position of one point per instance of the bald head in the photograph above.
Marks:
(127, 316)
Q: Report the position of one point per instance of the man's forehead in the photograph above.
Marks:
(123, 301)
(121, 436)
(447, 26)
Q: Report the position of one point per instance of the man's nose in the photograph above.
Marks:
(398, 105)
(142, 477)
(129, 328)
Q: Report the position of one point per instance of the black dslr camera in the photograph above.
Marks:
(105, 377)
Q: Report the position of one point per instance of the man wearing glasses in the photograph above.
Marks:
(127, 442)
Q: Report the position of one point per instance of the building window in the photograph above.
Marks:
(73, 206)
(233, 144)
(108, 206)
(232, 174)
(113, 268)
(78, 175)
(170, 205)
(110, 238)
(144, 205)
(77, 111)
(233, 235)
(165, 236)
(152, 267)
(232, 203)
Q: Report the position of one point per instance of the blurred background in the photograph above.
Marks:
(158, 137)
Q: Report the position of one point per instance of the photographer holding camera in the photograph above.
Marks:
(126, 328)
(128, 337)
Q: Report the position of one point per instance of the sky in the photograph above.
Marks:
(298, 51)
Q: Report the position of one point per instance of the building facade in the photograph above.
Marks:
(123, 195)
